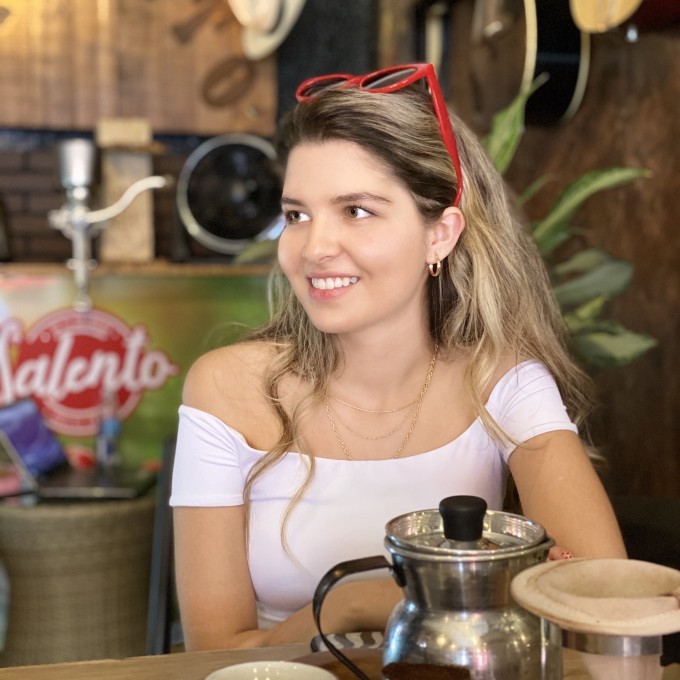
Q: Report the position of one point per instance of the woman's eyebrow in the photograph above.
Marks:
(287, 200)
(354, 197)
(360, 196)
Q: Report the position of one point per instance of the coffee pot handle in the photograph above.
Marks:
(330, 578)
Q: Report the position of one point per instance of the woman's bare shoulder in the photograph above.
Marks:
(505, 364)
(228, 379)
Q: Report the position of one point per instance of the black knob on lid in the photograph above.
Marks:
(463, 517)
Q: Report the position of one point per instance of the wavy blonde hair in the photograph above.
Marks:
(493, 298)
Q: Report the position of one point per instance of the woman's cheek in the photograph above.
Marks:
(283, 253)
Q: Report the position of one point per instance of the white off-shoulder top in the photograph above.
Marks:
(343, 514)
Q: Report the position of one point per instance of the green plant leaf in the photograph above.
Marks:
(609, 278)
(552, 241)
(606, 326)
(580, 190)
(600, 350)
(585, 316)
(507, 127)
(534, 188)
(583, 261)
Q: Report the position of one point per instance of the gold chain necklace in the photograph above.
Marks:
(419, 404)
(333, 415)
(370, 410)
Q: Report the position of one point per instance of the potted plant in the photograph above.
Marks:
(584, 282)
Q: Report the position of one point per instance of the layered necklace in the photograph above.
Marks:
(416, 405)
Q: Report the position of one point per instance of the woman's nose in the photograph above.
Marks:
(322, 241)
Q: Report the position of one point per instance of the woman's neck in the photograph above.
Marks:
(381, 375)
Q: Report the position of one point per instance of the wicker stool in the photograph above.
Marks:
(79, 580)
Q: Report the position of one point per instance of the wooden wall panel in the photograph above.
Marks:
(66, 63)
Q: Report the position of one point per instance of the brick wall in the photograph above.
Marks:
(29, 188)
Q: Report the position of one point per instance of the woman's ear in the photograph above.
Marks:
(444, 234)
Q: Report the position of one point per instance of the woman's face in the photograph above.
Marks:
(355, 246)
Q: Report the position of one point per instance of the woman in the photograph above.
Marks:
(415, 353)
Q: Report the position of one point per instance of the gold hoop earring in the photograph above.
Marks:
(435, 268)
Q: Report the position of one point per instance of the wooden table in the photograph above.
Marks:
(197, 665)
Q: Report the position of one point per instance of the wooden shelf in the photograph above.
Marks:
(155, 268)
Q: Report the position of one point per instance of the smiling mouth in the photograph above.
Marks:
(334, 282)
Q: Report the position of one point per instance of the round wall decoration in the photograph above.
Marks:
(229, 192)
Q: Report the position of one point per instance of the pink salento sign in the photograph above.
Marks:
(68, 359)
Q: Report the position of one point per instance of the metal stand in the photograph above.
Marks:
(76, 221)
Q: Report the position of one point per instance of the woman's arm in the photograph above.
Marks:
(214, 589)
(216, 598)
(559, 488)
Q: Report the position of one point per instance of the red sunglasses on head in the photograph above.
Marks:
(389, 80)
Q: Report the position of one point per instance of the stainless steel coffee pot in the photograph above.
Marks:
(455, 565)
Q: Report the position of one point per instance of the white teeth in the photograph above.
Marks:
(331, 283)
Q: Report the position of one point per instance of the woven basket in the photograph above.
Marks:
(79, 580)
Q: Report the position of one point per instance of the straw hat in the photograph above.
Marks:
(266, 23)
(605, 596)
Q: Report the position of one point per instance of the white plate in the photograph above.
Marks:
(271, 670)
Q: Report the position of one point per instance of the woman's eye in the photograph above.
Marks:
(357, 212)
(294, 216)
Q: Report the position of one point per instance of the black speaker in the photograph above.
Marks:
(330, 36)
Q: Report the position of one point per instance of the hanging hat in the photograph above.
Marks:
(266, 23)
(598, 17)
(605, 596)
